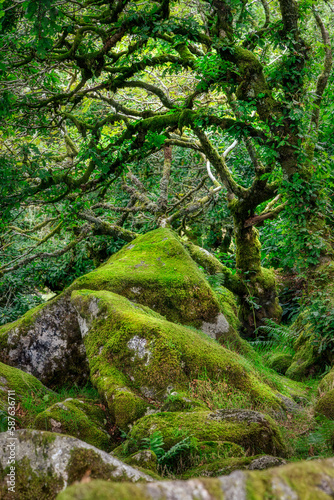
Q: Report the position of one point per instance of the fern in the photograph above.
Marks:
(277, 335)
(186, 444)
(154, 443)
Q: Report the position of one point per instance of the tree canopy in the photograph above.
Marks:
(122, 116)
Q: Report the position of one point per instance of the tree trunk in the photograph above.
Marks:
(259, 300)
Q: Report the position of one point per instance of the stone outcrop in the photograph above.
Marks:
(297, 481)
(46, 342)
(48, 462)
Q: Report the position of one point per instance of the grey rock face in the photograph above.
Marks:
(217, 328)
(50, 454)
(50, 347)
(265, 462)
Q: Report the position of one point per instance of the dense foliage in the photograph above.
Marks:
(212, 117)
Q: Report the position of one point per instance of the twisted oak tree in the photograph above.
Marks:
(91, 88)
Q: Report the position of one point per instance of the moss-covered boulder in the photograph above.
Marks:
(154, 270)
(280, 362)
(325, 405)
(45, 463)
(144, 459)
(253, 431)
(157, 271)
(82, 419)
(47, 343)
(326, 383)
(222, 467)
(305, 360)
(12, 379)
(312, 480)
(137, 357)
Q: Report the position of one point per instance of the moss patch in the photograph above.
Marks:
(29, 484)
(305, 359)
(326, 383)
(156, 270)
(280, 362)
(325, 405)
(305, 480)
(88, 464)
(83, 420)
(19, 381)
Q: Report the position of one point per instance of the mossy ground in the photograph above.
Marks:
(88, 464)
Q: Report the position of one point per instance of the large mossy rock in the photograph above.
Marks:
(47, 462)
(23, 384)
(156, 270)
(280, 362)
(225, 466)
(312, 480)
(81, 419)
(46, 342)
(254, 431)
(325, 405)
(305, 359)
(134, 354)
(326, 383)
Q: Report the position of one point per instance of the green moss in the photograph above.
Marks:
(78, 419)
(204, 258)
(326, 383)
(83, 460)
(127, 407)
(253, 435)
(304, 480)
(181, 402)
(221, 467)
(20, 382)
(325, 405)
(280, 362)
(305, 358)
(30, 484)
(104, 490)
(156, 270)
(144, 458)
(129, 346)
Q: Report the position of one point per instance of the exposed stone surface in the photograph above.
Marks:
(46, 342)
(62, 458)
(265, 462)
(297, 481)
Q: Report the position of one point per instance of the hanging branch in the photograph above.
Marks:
(163, 198)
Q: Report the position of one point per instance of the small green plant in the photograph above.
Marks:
(154, 443)
(275, 335)
(3, 421)
(172, 458)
